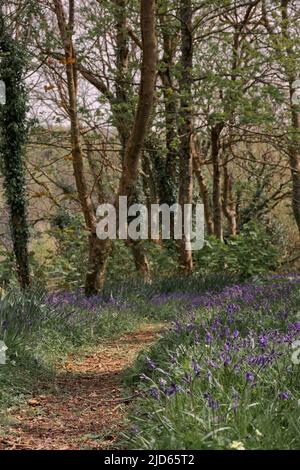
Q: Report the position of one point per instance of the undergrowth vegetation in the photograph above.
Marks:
(61, 264)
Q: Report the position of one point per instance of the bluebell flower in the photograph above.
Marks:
(212, 403)
(249, 377)
(162, 382)
(151, 364)
(154, 392)
(284, 395)
(208, 338)
(197, 338)
(236, 334)
(135, 429)
(172, 389)
(195, 366)
(263, 341)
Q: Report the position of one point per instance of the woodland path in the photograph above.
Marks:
(84, 407)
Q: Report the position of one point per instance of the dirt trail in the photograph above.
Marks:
(84, 408)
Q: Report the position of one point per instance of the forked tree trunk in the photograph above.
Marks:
(186, 127)
(98, 249)
(146, 97)
(121, 107)
(131, 135)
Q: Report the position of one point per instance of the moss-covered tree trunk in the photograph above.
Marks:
(13, 134)
(170, 183)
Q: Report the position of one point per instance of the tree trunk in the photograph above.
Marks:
(295, 163)
(294, 153)
(123, 115)
(186, 128)
(98, 249)
(135, 140)
(203, 190)
(146, 97)
(217, 200)
(123, 119)
(96, 173)
(132, 132)
(13, 138)
(140, 259)
(229, 205)
(169, 195)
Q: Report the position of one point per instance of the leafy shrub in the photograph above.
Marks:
(6, 267)
(65, 267)
(249, 253)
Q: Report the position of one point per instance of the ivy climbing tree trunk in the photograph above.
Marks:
(169, 195)
(13, 135)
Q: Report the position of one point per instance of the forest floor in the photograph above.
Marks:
(84, 407)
